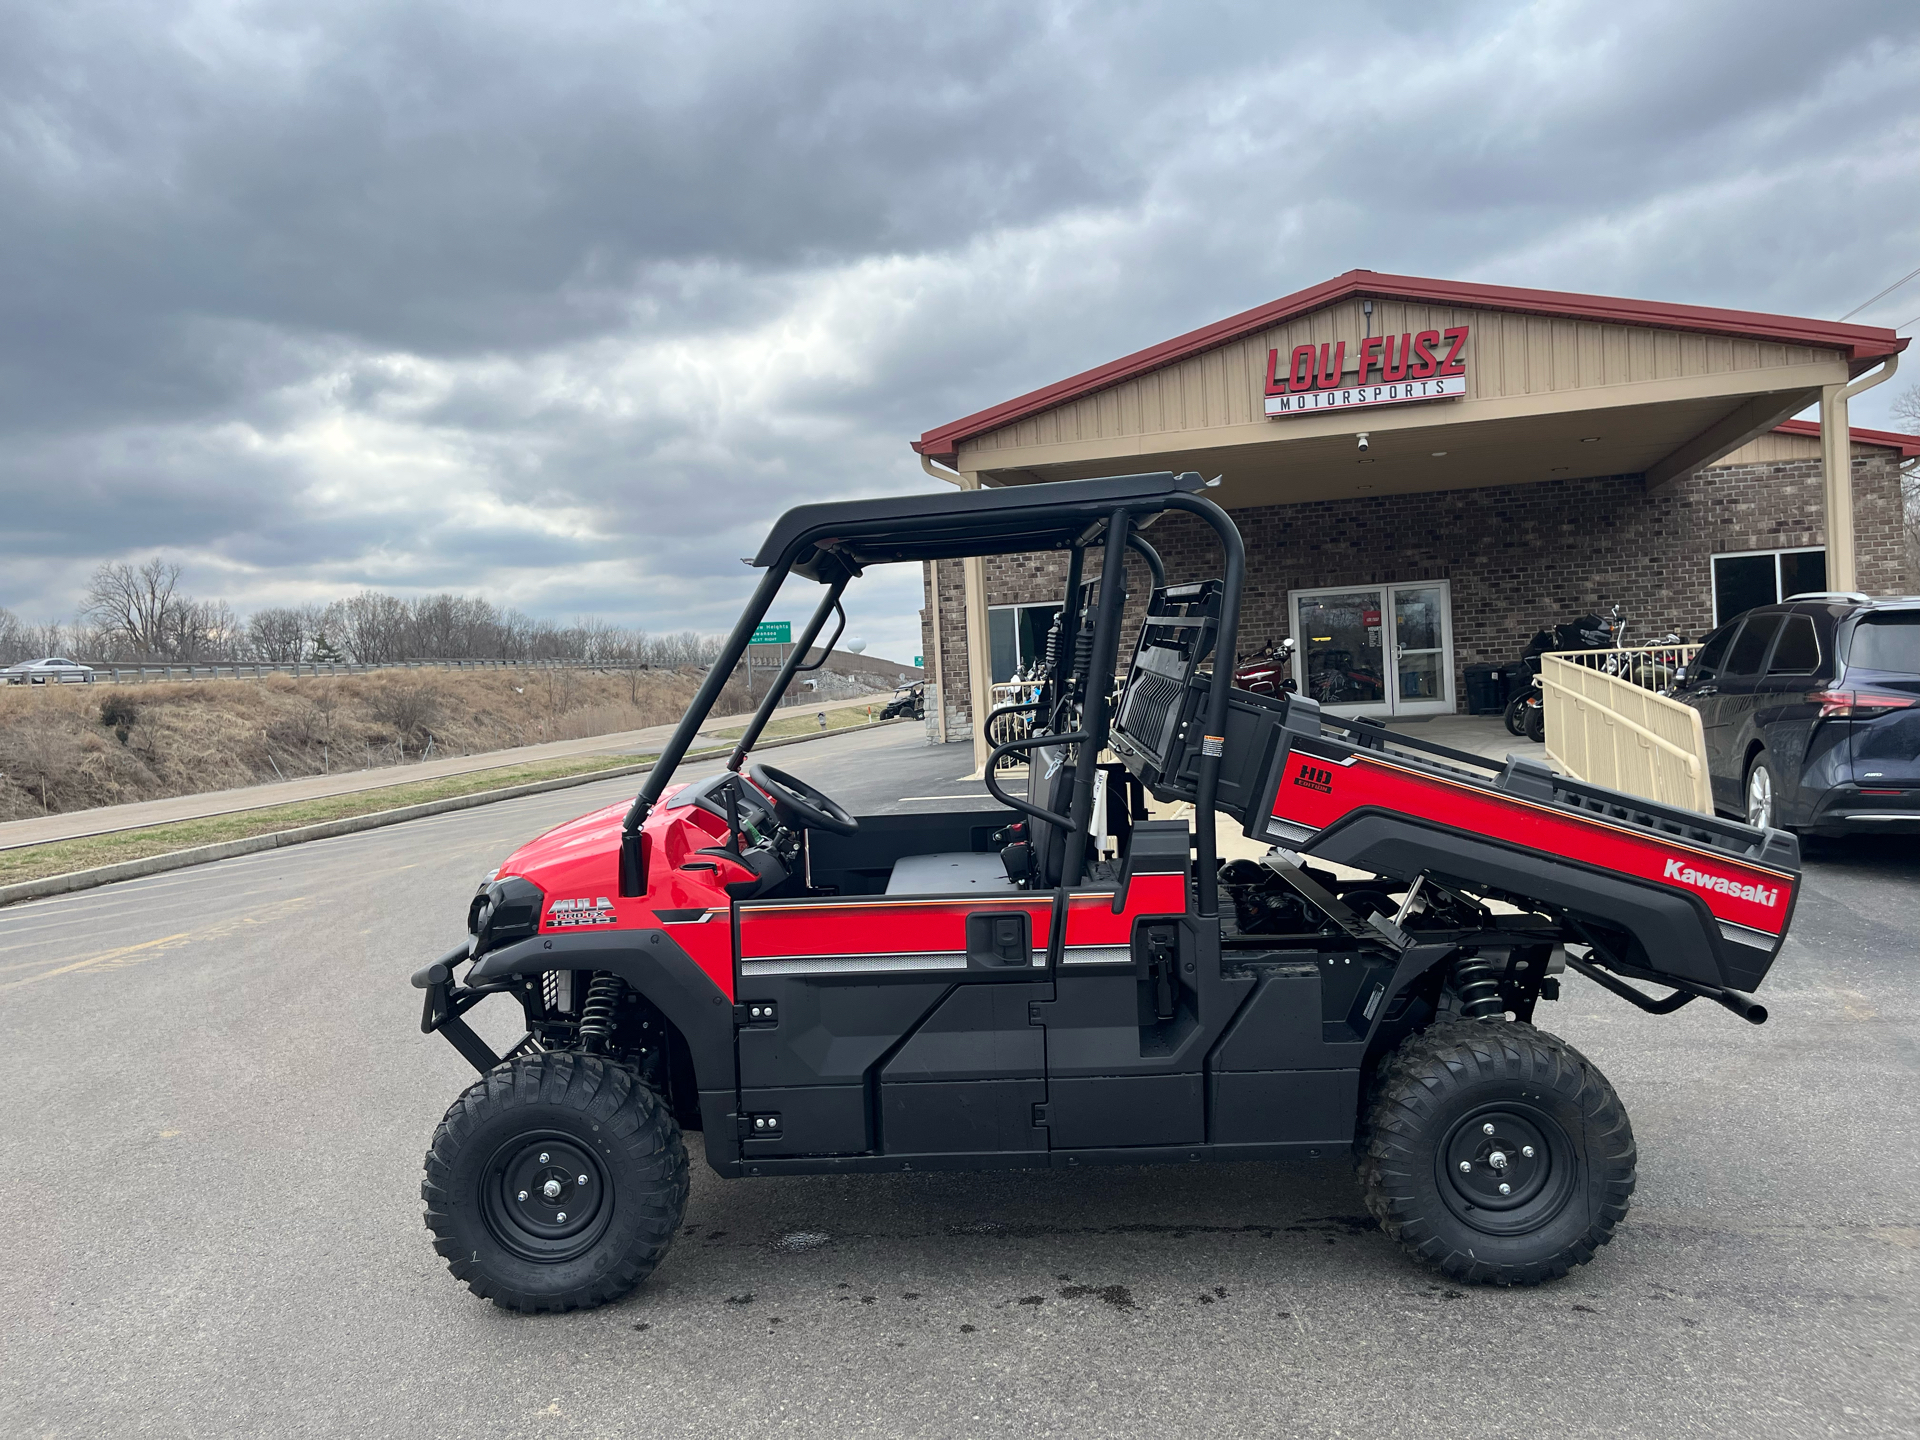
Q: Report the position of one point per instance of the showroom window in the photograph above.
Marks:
(1763, 577)
(1017, 636)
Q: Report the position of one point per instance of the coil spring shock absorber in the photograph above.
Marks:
(1479, 992)
(596, 1016)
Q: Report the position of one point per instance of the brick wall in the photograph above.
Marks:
(1516, 556)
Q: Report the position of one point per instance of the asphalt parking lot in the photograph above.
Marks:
(217, 1097)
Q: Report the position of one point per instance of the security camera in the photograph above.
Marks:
(1363, 441)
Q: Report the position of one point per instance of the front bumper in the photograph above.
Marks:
(446, 1001)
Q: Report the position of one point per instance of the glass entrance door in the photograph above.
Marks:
(1422, 666)
(1339, 655)
(1376, 649)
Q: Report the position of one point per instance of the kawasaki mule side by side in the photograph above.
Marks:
(1064, 980)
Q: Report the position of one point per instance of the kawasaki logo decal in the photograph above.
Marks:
(1720, 885)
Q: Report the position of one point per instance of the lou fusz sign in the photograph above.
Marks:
(1393, 369)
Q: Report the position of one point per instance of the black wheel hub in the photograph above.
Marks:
(1506, 1169)
(546, 1197)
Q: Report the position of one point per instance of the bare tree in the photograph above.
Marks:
(134, 608)
(372, 627)
(1907, 408)
(203, 630)
(13, 638)
(279, 634)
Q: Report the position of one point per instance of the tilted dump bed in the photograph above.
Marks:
(1676, 894)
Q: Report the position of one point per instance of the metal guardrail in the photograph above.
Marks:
(245, 670)
(1613, 730)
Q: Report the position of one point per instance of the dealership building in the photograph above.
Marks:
(1427, 472)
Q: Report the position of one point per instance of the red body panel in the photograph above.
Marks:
(1092, 920)
(579, 862)
(875, 925)
(1316, 792)
(576, 866)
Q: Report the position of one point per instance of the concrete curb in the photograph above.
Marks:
(348, 825)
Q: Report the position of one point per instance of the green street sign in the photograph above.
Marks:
(917, 664)
(773, 632)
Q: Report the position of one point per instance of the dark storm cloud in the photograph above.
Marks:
(563, 302)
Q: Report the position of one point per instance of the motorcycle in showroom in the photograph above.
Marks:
(1526, 711)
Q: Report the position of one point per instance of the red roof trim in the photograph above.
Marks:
(1907, 445)
(1862, 343)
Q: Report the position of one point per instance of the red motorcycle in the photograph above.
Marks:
(1268, 671)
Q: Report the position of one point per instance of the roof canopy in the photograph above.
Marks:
(1535, 385)
(1860, 346)
(953, 523)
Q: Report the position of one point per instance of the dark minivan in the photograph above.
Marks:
(1811, 710)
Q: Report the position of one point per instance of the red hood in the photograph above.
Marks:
(595, 833)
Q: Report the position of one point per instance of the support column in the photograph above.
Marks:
(979, 650)
(1836, 470)
(938, 669)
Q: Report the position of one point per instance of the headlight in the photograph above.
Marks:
(503, 911)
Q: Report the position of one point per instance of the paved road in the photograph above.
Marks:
(217, 1097)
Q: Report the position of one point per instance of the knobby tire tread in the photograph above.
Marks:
(1409, 1089)
(624, 1108)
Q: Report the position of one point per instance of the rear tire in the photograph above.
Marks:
(1513, 713)
(1534, 722)
(556, 1182)
(1763, 804)
(1559, 1139)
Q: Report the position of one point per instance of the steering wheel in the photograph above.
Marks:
(809, 804)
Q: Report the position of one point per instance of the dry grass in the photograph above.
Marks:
(788, 724)
(32, 862)
(73, 747)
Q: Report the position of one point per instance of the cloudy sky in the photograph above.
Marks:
(562, 302)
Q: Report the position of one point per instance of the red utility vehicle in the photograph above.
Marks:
(1065, 981)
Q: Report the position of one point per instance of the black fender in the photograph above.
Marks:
(1677, 932)
(653, 963)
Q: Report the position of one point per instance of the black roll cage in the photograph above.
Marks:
(834, 543)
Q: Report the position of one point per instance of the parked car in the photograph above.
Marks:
(39, 672)
(1811, 710)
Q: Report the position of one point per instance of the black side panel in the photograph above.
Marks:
(1280, 1029)
(968, 1079)
(830, 1031)
(652, 964)
(1291, 1106)
(812, 1120)
(1677, 931)
(965, 1115)
(980, 1032)
(1110, 1110)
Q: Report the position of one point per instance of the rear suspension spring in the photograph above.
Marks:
(596, 1016)
(1479, 992)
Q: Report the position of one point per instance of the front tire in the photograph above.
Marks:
(1514, 713)
(555, 1182)
(1466, 1107)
